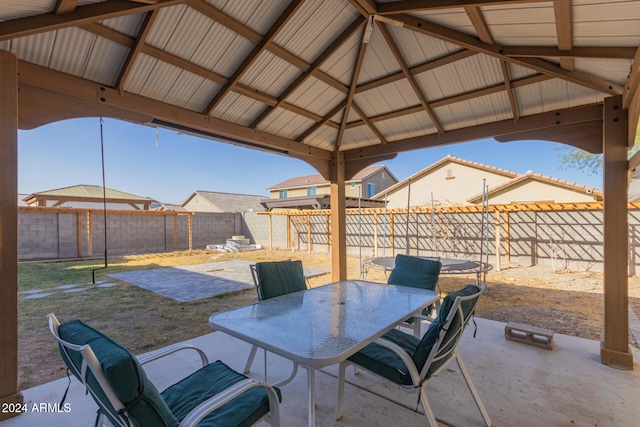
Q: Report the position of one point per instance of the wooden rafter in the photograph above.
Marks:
(354, 81)
(322, 122)
(633, 81)
(484, 33)
(43, 23)
(267, 40)
(321, 59)
(64, 6)
(145, 27)
(409, 76)
(470, 42)
(562, 10)
(365, 7)
(596, 52)
(369, 123)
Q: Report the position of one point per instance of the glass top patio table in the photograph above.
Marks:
(323, 326)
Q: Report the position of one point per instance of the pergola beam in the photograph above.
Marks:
(134, 52)
(408, 6)
(64, 6)
(564, 20)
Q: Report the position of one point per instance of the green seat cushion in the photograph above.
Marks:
(245, 410)
(280, 277)
(125, 375)
(415, 272)
(385, 362)
(431, 336)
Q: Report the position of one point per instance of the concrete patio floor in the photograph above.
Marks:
(520, 385)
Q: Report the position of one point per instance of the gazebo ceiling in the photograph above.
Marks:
(310, 78)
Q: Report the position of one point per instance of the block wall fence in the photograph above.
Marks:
(569, 237)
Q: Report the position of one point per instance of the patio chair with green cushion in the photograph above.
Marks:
(214, 395)
(410, 362)
(417, 272)
(273, 279)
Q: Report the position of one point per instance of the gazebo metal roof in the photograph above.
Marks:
(340, 84)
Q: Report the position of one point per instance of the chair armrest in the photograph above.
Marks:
(201, 411)
(425, 318)
(158, 354)
(406, 358)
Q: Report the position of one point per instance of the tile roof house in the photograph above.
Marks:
(456, 181)
(88, 196)
(213, 201)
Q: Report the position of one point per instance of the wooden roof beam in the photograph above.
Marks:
(322, 122)
(579, 116)
(64, 6)
(409, 76)
(145, 28)
(484, 33)
(470, 42)
(45, 22)
(267, 40)
(354, 80)
(564, 22)
(321, 59)
(597, 52)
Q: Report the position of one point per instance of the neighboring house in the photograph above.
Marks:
(212, 201)
(455, 181)
(320, 201)
(90, 197)
(366, 184)
(168, 207)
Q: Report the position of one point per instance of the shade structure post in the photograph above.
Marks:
(9, 389)
(614, 349)
(338, 218)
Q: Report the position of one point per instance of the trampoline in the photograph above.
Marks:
(449, 265)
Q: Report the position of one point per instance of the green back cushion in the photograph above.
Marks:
(415, 272)
(280, 277)
(124, 373)
(245, 410)
(385, 362)
(431, 336)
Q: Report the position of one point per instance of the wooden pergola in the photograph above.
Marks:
(340, 84)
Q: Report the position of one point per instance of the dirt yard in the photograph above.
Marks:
(566, 302)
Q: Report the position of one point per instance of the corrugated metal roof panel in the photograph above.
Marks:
(129, 24)
(378, 60)
(105, 61)
(522, 24)
(165, 25)
(183, 88)
(286, 124)
(340, 64)
(478, 72)
(605, 23)
(361, 136)
(159, 81)
(441, 82)
(139, 73)
(20, 9)
(616, 71)
(71, 49)
(451, 18)
(323, 138)
(387, 98)
(36, 49)
(316, 96)
(188, 33)
(407, 126)
(202, 95)
(256, 14)
(314, 27)
(418, 48)
(221, 50)
(270, 74)
(239, 109)
(518, 72)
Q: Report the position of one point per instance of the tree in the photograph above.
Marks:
(590, 163)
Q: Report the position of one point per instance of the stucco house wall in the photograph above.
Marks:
(532, 191)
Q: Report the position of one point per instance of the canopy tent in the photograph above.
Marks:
(340, 84)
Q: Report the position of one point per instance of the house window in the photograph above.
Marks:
(353, 185)
(312, 191)
(371, 190)
(283, 194)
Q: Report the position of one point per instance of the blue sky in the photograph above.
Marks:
(67, 153)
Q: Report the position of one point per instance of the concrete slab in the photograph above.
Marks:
(520, 385)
